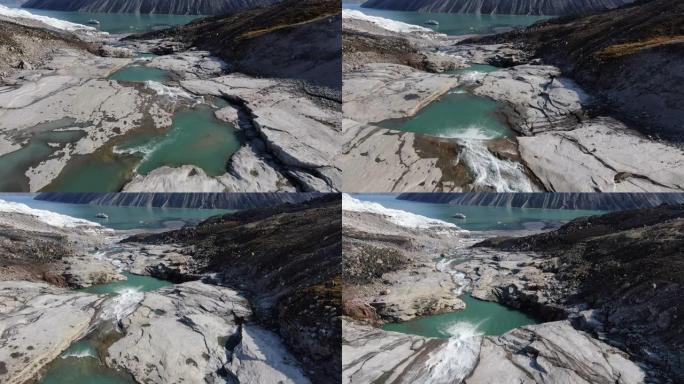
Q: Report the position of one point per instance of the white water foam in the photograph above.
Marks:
(491, 172)
(471, 77)
(453, 362)
(170, 92)
(50, 21)
(80, 353)
(396, 216)
(122, 305)
(470, 133)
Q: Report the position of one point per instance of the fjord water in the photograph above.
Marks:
(478, 318)
(122, 217)
(454, 23)
(118, 23)
(481, 218)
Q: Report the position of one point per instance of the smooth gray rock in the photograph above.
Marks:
(202, 326)
(37, 322)
(603, 155)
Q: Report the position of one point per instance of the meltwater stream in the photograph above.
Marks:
(82, 362)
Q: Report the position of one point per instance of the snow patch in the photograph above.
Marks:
(51, 218)
(50, 21)
(390, 25)
(396, 216)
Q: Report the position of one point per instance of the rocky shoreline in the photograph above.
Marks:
(563, 277)
(290, 127)
(224, 327)
(558, 131)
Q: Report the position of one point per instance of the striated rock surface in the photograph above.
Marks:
(179, 7)
(37, 323)
(178, 200)
(550, 352)
(562, 200)
(540, 99)
(603, 155)
(518, 7)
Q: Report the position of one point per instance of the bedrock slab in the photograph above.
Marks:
(545, 353)
(380, 91)
(204, 326)
(37, 322)
(538, 98)
(603, 155)
(299, 132)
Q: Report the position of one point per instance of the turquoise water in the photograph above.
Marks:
(455, 23)
(119, 22)
(137, 282)
(482, 218)
(14, 165)
(485, 68)
(121, 217)
(81, 363)
(140, 74)
(196, 137)
(457, 114)
(479, 317)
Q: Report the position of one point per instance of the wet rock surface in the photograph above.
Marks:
(37, 322)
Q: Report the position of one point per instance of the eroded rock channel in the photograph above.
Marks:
(83, 303)
(553, 299)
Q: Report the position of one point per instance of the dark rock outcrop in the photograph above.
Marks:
(631, 59)
(297, 39)
(288, 259)
(178, 200)
(592, 201)
(514, 7)
(180, 7)
(628, 267)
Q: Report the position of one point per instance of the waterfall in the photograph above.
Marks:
(122, 305)
(492, 173)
